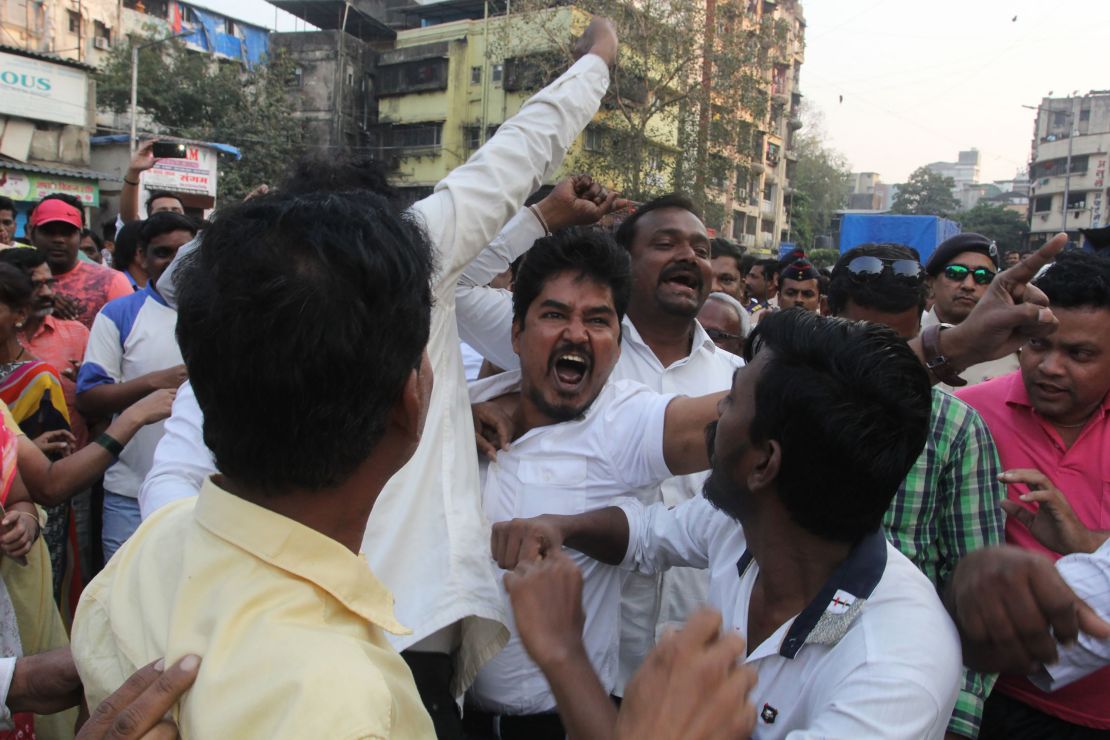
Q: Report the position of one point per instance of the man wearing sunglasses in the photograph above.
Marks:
(960, 270)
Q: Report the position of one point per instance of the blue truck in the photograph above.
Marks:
(923, 233)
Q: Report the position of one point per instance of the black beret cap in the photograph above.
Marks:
(949, 249)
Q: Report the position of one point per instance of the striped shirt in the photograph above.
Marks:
(948, 506)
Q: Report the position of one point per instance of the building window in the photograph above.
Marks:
(150, 7)
(594, 140)
(418, 76)
(773, 152)
(413, 138)
(101, 31)
(497, 72)
(491, 130)
(475, 75)
(768, 192)
(1077, 201)
(767, 226)
(74, 21)
(1042, 204)
(473, 137)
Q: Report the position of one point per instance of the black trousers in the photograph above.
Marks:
(1005, 718)
(433, 673)
(483, 726)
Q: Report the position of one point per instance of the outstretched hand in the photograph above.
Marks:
(600, 37)
(579, 201)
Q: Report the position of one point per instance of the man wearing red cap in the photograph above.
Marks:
(55, 230)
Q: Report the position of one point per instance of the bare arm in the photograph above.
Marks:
(51, 483)
(684, 446)
(129, 196)
(601, 534)
(105, 399)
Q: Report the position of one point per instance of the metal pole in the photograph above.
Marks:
(134, 97)
(1067, 169)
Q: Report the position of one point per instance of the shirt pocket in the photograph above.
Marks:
(552, 485)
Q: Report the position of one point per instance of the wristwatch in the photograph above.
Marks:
(935, 361)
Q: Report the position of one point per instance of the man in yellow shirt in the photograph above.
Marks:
(304, 338)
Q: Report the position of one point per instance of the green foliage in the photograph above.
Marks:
(823, 257)
(995, 222)
(193, 96)
(821, 188)
(927, 193)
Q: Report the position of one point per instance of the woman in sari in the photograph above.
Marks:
(32, 390)
(29, 620)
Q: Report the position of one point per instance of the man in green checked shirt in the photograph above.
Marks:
(950, 503)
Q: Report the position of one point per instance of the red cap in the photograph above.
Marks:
(56, 210)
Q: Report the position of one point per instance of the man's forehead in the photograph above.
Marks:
(726, 262)
(810, 284)
(1081, 325)
(974, 259)
(670, 219)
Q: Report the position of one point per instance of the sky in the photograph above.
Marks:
(920, 80)
(923, 80)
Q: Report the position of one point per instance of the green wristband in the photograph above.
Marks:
(111, 444)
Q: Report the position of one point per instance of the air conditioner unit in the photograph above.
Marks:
(102, 43)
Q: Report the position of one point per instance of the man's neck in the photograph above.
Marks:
(793, 566)
(62, 270)
(669, 336)
(340, 513)
(1069, 428)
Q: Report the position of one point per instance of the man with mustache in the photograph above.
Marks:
(960, 271)
(1051, 422)
(580, 442)
(662, 346)
(818, 431)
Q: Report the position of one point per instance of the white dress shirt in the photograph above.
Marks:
(982, 372)
(650, 604)
(427, 538)
(1089, 576)
(613, 450)
(873, 655)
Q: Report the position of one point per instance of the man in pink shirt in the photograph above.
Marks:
(82, 287)
(1051, 423)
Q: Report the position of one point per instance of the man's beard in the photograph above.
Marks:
(558, 412)
(43, 311)
(720, 489)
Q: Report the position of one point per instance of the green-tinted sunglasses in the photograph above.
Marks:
(958, 273)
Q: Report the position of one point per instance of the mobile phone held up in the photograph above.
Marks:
(168, 150)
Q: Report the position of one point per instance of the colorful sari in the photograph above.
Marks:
(33, 393)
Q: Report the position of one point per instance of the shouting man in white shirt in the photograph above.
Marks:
(848, 638)
(581, 442)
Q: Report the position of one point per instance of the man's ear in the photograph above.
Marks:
(407, 416)
(518, 327)
(768, 462)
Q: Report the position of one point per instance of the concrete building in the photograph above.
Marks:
(47, 109)
(1076, 198)
(964, 171)
(85, 30)
(869, 192)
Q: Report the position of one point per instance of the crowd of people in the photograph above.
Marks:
(495, 466)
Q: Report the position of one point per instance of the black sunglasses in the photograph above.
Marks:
(866, 269)
(959, 273)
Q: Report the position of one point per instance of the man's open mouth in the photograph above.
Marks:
(571, 369)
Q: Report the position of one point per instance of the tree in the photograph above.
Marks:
(997, 223)
(821, 184)
(653, 134)
(927, 193)
(193, 96)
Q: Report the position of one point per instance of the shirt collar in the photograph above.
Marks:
(47, 325)
(827, 618)
(298, 550)
(700, 342)
(150, 291)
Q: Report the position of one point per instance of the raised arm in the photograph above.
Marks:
(142, 160)
(474, 201)
(684, 445)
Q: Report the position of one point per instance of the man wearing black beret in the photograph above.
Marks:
(959, 272)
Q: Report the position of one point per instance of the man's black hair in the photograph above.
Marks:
(94, 236)
(722, 247)
(746, 263)
(315, 172)
(626, 232)
(164, 222)
(162, 194)
(15, 285)
(7, 204)
(887, 293)
(300, 318)
(1077, 279)
(770, 267)
(72, 200)
(849, 404)
(127, 244)
(585, 251)
(25, 259)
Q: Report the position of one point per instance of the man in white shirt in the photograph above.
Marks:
(848, 638)
(447, 595)
(580, 442)
(662, 346)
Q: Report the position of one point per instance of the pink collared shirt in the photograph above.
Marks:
(1082, 473)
